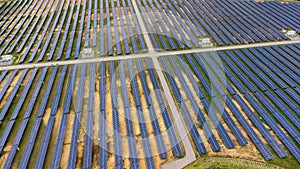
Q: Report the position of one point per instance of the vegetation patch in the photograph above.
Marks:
(224, 163)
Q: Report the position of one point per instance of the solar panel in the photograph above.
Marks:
(189, 122)
(253, 136)
(63, 123)
(129, 126)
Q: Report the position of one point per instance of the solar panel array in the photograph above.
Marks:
(54, 30)
(181, 24)
(68, 108)
(259, 84)
(252, 98)
(39, 31)
(114, 114)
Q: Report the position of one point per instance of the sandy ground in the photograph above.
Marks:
(81, 136)
(4, 155)
(67, 141)
(96, 129)
(4, 80)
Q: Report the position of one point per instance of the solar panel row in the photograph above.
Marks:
(37, 122)
(63, 124)
(12, 95)
(152, 112)
(17, 108)
(188, 119)
(24, 123)
(115, 116)
(77, 119)
(140, 115)
(5, 8)
(20, 8)
(49, 127)
(88, 151)
(15, 33)
(172, 135)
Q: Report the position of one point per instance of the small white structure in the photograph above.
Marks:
(205, 42)
(6, 59)
(87, 53)
(292, 34)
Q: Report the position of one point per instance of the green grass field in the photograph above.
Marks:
(229, 163)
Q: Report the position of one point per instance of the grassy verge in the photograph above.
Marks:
(220, 162)
(288, 162)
